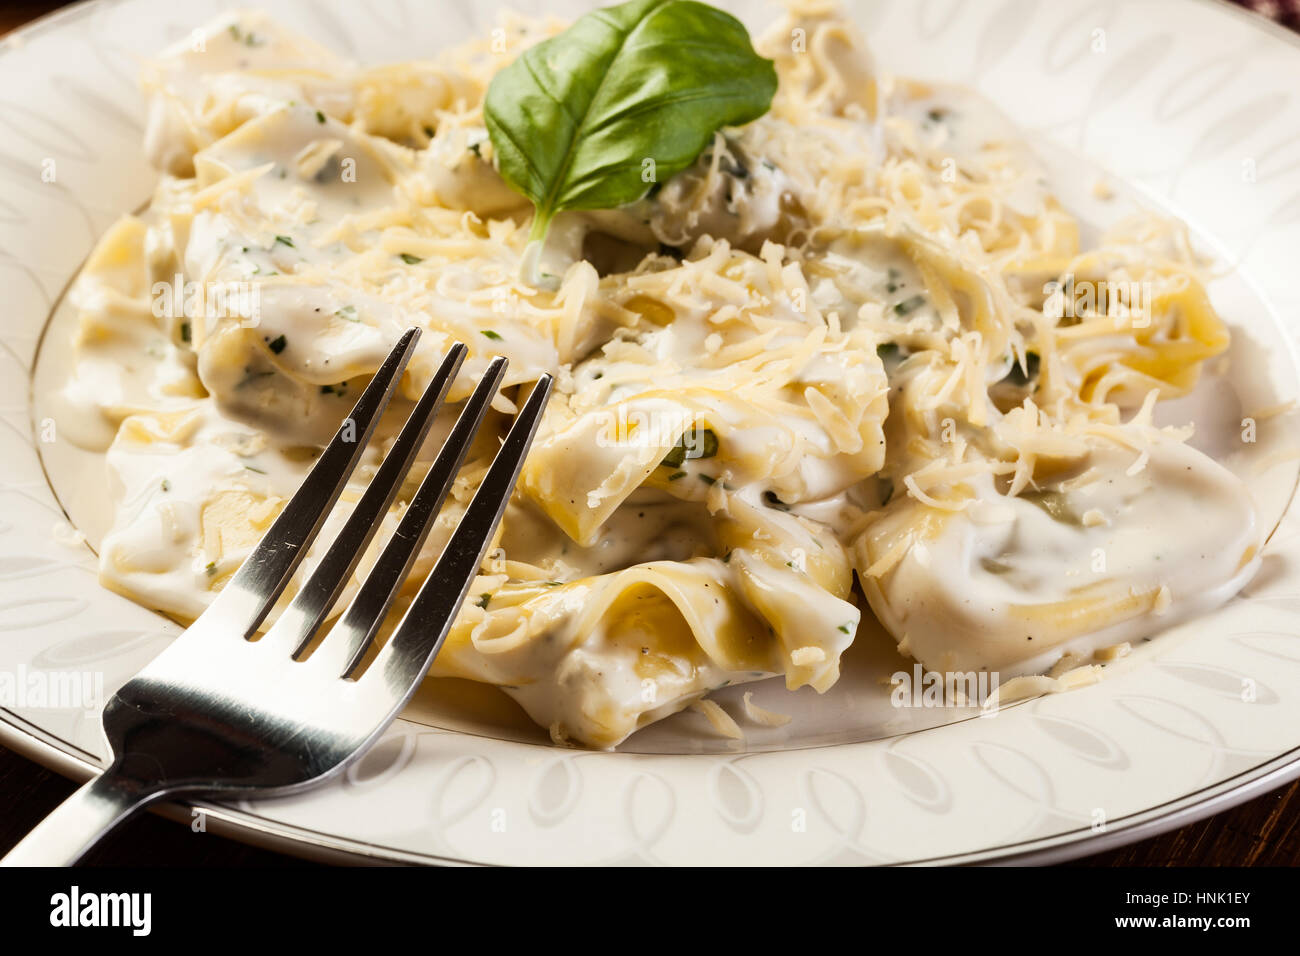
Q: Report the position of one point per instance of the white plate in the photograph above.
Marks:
(1192, 105)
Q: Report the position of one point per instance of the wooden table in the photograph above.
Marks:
(1263, 832)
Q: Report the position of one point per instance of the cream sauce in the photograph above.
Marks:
(1133, 543)
(718, 444)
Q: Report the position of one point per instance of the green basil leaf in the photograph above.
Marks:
(576, 120)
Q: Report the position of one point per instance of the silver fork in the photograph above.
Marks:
(220, 714)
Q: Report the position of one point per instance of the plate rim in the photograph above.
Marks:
(265, 833)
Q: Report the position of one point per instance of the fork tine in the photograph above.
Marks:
(419, 636)
(312, 603)
(347, 641)
(253, 590)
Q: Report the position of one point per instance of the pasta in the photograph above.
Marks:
(857, 341)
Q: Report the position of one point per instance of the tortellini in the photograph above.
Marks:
(840, 365)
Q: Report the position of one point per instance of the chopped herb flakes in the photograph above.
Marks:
(908, 306)
(277, 344)
(695, 443)
(411, 260)
(775, 502)
(1021, 377)
(1055, 504)
(239, 36)
(494, 336)
(286, 240)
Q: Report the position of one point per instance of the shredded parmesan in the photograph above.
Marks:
(722, 721)
(762, 716)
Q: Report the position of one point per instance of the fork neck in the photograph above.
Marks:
(77, 824)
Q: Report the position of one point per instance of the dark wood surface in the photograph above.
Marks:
(1262, 832)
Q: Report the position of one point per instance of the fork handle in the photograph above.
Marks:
(80, 821)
